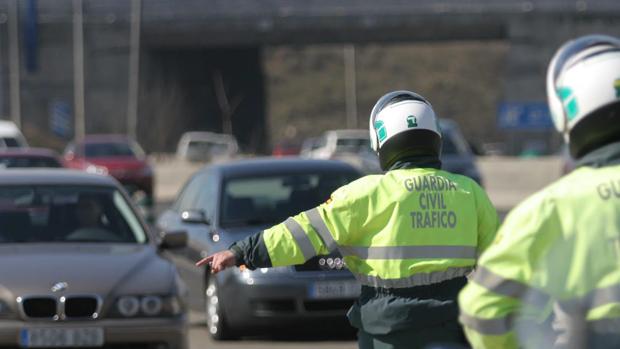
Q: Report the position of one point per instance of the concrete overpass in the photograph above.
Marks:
(187, 46)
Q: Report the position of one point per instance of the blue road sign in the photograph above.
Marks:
(60, 118)
(524, 116)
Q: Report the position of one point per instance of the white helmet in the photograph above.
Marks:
(583, 89)
(403, 123)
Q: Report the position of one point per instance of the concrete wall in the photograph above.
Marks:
(181, 40)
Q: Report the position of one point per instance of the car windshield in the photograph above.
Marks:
(67, 214)
(206, 148)
(28, 161)
(10, 142)
(111, 149)
(271, 199)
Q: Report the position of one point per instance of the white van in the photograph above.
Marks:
(199, 146)
(11, 136)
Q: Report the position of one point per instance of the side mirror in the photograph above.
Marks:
(194, 217)
(172, 239)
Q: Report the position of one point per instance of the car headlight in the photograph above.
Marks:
(151, 305)
(128, 306)
(100, 170)
(148, 306)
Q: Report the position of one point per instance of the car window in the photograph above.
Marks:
(11, 142)
(271, 199)
(28, 162)
(354, 145)
(189, 195)
(95, 150)
(67, 214)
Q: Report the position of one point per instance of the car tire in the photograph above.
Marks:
(215, 319)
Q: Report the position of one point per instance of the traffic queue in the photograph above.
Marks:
(410, 248)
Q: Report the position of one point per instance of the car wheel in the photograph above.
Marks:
(216, 322)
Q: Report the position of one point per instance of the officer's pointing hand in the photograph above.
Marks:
(218, 261)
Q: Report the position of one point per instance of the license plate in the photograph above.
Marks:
(334, 289)
(61, 337)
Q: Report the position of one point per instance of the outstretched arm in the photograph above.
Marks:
(250, 251)
(218, 261)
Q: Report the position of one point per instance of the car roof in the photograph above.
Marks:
(6, 125)
(26, 152)
(53, 177)
(273, 165)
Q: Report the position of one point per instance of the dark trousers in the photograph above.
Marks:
(447, 336)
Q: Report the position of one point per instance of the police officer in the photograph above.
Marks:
(409, 236)
(552, 276)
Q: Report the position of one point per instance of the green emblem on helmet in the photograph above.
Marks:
(380, 129)
(617, 87)
(412, 121)
(569, 102)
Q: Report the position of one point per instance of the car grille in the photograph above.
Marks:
(323, 263)
(39, 307)
(273, 306)
(78, 307)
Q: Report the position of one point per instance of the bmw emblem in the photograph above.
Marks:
(60, 286)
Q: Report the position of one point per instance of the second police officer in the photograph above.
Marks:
(552, 277)
(410, 236)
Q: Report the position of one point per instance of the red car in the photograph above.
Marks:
(286, 148)
(29, 158)
(116, 155)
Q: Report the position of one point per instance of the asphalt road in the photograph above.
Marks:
(304, 339)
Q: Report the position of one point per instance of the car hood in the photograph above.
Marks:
(102, 269)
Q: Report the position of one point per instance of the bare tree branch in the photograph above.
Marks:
(227, 106)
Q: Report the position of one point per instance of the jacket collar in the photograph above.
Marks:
(606, 155)
(416, 162)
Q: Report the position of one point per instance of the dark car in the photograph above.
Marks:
(116, 155)
(227, 202)
(456, 155)
(78, 267)
(29, 158)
